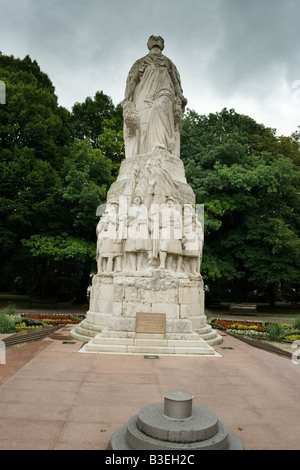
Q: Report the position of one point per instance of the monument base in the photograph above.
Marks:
(111, 342)
(168, 305)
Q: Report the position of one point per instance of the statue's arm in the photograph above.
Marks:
(177, 84)
(132, 81)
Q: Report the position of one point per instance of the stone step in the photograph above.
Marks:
(118, 334)
(123, 349)
(112, 341)
(128, 346)
(213, 338)
(146, 342)
(114, 349)
(78, 336)
(81, 334)
(153, 340)
(86, 325)
(85, 332)
(206, 329)
(210, 335)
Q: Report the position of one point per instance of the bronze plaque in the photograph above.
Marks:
(150, 323)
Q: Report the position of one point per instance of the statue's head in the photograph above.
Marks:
(156, 41)
(188, 208)
(170, 201)
(137, 200)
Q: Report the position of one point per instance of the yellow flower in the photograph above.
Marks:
(292, 337)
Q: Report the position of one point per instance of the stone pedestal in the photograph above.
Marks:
(176, 424)
(111, 322)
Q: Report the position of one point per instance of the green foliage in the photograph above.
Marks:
(296, 323)
(60, 247)
(33, 137)
(93, 119)
(276, 332)
(69, 251)
(86, 176)
(111, 143)
(8, 319)
(29, 192)
(248, 180)
(53, 176)
(31, 116)
(7, 324)
(10, 309)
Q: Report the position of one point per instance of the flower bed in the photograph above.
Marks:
(250, 333)
(292, 338)
(241, 325)
(268, 331)
(29, 321)
(23, 326)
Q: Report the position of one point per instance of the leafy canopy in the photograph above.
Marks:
(248, 180)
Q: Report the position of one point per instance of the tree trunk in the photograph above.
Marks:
(296, 298)
(81, 297)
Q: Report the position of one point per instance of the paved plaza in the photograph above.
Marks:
(54, 398)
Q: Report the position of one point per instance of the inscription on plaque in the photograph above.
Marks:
(150, 323)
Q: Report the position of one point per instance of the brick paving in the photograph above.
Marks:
(54, 398)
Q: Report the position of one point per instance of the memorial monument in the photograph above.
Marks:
(148, 296)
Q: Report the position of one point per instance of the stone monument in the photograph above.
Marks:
(148, 296)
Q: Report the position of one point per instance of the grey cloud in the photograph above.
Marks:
(232, 53)
(259, 37)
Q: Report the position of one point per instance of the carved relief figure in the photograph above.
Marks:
(153, 104)
(154, 183)
(192, 240)
(131, 183)
(200, 235)
(161, 184)
(170, 242)
(109, 246)
(138, 243)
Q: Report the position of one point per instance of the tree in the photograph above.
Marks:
(86, 178)
(98, 121)
(244, 176)
(71, 249)
(54, 175)
(31, 116)
(61, 259)
(33, 136)
(111, 144)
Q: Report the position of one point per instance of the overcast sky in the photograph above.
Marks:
(240, 54)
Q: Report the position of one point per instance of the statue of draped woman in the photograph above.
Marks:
(154, 105)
